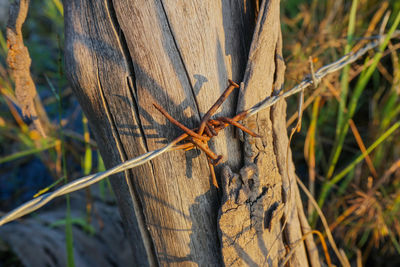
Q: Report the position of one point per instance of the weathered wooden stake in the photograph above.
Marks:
(121, 57)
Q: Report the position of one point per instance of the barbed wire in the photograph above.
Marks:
(89, 180)
(321, 73)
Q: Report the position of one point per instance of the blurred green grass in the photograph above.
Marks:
(69, 137)
(362, 215)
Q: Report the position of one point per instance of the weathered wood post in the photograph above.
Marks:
(121, 57)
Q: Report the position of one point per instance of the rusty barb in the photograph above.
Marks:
(199, 137)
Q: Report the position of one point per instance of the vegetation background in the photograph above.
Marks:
(347, 152)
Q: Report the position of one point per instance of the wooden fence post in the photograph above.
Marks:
(121, 57)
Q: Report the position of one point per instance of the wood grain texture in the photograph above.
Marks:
(19, 62)
(257, 228)
(97, 69)
(262, 195)
(110, 43)
(121, 57)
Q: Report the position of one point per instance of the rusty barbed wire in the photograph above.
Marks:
(89, 180)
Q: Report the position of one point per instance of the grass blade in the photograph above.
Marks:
(25, 153)
(344, 82)
(87, 159)
(360, 86)
(327, 186)
(69, 236)
(68, 221)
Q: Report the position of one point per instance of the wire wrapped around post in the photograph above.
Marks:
(207, 130)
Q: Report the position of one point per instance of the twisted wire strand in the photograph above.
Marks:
(81, 183)
(321, 73)
(89, 180)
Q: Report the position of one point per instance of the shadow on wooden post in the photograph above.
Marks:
(122, 56)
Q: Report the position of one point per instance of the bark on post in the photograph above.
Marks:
(121, 56)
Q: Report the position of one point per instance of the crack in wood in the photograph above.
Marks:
(181, 59)
(121, 40)
(140, 216)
